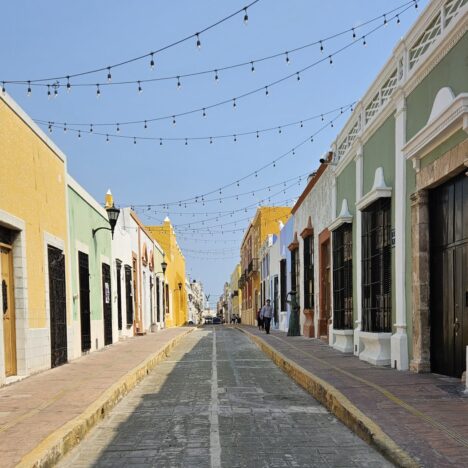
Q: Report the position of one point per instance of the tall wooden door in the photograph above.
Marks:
(118, 265)
(107, 304)
(325, 287)
(276, 299)
(85, 314)
(8, 309)
(449, 276)
(58, 307)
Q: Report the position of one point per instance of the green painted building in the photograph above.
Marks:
(400, 234)
(94, 320)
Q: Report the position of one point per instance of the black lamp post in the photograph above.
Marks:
(113, 215)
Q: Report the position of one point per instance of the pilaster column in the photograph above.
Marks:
(359, 181)
(421, 361)
(399, 340)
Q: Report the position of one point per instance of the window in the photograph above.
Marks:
(283, 284)
(309, 272)
(128, 295)
(376, 267)
(295, 273)
(343, 277)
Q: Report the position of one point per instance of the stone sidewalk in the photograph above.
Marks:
(41, 411)
(426, 415)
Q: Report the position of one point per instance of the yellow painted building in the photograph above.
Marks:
(33, 246)
(236, 293)
(266, 221)
(175, 297)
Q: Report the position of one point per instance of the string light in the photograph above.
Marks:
(266, 91)
(140, 90)
(204, 112)
(298, 77)
(252, 68)
(287, 57)
(385, 20)
(151, 54)
(198, 41)
(321, 46)
(398, 19)
(364, 43)
(354, 33)
(118, 128)
(216, 76)
(246, 16)
(109, 76)
(3, 87)
(65, 128)
(68, 84)
(56, 90)
(178, 83)
(49, 95)
(29, 88)
(107, 138)
(173, 120)
(98, 91)
(91, 128)
(234, 105)
(146, 125)
(79, 134)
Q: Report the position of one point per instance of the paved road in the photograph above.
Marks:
(219, 402)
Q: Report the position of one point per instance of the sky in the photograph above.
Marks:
(50, 39)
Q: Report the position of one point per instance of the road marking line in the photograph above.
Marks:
(215, 445)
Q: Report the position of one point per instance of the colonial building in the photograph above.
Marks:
(175, 297)
(400, 232)
(311, 253)
(266, 221)
(92, 282)
(36, 327)
(235, 300)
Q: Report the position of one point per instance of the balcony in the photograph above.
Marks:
(253, 266)
(241, 281)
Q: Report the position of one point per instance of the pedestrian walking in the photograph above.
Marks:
(266, 315)
(259, 319)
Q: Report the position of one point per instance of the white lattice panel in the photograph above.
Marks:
(373, 107)
(451, 9)
(424, 42)
(388, 87)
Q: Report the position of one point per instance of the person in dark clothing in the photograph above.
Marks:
(259, 319)
(266, 315)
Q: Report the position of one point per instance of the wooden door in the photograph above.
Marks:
(8, 309)
(107, 304)
(85, 313)
(118, 265)
(325, 287)
(449, 276)
(58, 307)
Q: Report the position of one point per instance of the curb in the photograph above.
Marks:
(48, 452)
(338, 405)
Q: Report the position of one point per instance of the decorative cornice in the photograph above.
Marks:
(379, 190)
(447, 122)
(294, 245)
(343, 218)
(308, 230)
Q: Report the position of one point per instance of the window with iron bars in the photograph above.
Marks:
(309, 272)
(295, 273)
(283, 284)
(343, 277)
(376, 267)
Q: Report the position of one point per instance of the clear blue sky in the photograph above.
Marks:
(59, 38)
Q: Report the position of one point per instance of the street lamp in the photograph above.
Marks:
(113, 215)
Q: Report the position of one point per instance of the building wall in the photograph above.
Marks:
(85, 215)
(236, 301)
(175, 273)
(32, 200)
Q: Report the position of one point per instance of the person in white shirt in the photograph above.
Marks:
(266, 315)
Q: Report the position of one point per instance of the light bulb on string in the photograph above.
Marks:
(118, 128)
(49, 95)
(3, 87)
(179, 85)
(235, 138)
(279, 130)
(398, 19)
(204, 112)
(216, 76)
(211, 140)
(50, 127)
(140, 89)
(79, 133)
(246, 16)
(330, 57)
(252, 68)
(160, 142)
(56, 86)
(152, 61)
(65, 127)
(311, 139)
(134, 140)
(258, 136)
(385, 20)
(364, 43)
(234, 105)
(302, 125)
(109, 76)
(354, 33)
(173, 120)
(98, 91)
(321, 46)
(198, 41)
(415, 3)
(68, 84)
(146, 125)
(186, 142)
(91, 128)
(298, 76)
(287, 57)
(107, 138)
(266, 91)
(29, 88)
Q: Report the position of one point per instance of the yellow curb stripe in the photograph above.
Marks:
(48, 452)
(411, 409)
(339, 405)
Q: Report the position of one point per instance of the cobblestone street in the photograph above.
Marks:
(219, 401)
